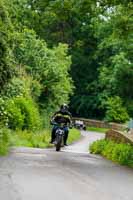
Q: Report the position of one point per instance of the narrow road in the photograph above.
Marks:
(73, 174)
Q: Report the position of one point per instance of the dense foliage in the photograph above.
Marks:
(65, 51)
(6, 67)
(120, 153)
(99, 37)
(33, 77)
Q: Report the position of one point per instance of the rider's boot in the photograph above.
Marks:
(65, 138)
(52, 137)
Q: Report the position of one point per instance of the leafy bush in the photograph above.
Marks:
(108, 149)
(121, 153)
(29, 110)
(20, 113)
(14, 88)
(35, 89)
(98, 146)
(22, 86)
(3, 113)
(115, 110)
(4, 140)
(15, 116)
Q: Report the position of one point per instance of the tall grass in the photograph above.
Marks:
(30, 139)
(120, 153)
(74, 135)
(27, 138)
(4, 141)
(39, 139)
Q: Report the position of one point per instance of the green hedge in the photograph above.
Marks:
(120, 153)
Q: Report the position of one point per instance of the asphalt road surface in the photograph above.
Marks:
(72, 174)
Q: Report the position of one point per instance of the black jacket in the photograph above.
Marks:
(62, 117)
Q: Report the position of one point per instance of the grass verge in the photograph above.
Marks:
(30, 139)
(4, 140)
(95, 129)
(74, 135)
(119, 153)
(38, 140)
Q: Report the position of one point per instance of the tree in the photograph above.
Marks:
(115, 44)
(49, 67)
(98, 37)
(6, 67)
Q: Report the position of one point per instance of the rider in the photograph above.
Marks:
(61, 116)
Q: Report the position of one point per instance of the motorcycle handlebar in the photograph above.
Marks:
(54, 123)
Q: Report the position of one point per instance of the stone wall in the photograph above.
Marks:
(115, 132)
(101, 124)
(119, 137)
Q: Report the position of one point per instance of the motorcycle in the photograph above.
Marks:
(59, 139)
(59, 134)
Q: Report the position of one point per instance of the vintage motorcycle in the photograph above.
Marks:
(59, 139)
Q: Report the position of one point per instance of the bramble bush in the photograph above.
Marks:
(120, 153)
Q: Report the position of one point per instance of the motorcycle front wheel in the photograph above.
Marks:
(58, 142)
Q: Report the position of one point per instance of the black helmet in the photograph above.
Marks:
(64, 108)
